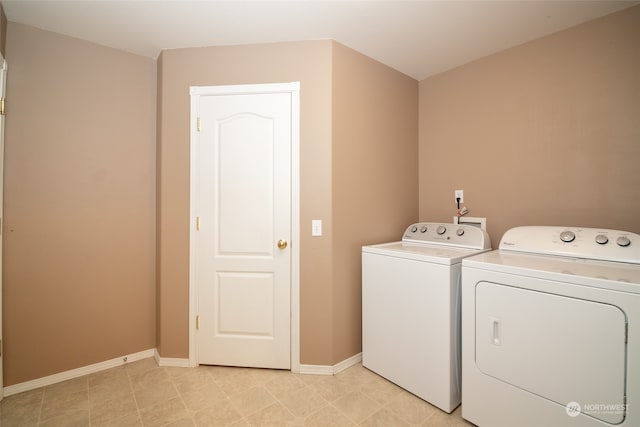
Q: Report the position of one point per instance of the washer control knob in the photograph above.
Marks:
(567, 236)
(414, 229)
(602, 239)
(459, 231)
(423, 229)
(441, 229)
(623, 241)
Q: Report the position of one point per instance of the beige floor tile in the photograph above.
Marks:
(303, 402)
(384, 418)
(333, 388)
(328, 416)
(69, 386)
(148, 396)
(357, 375)
(241, 380)
(356, 406)
(143, 394)
(21, 409)
(201, 398)
(220, 372)
(184, 422)
(263, 376)
(443, 419)
(59, 404)
(109, 384)
(174, 371)
(283, 384)
(110, 411)
(220, 414)
(132, 420)
(112, 375)
(241, 423)
(110, 391)
(163, 412)
(149, 379)
(252, 400)
(411, 408)
(273, 415)
(191, 380)
(140, 366)
(16, 417)
(380, 390)
(79, 418)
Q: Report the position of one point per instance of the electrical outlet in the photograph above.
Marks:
(460, 194)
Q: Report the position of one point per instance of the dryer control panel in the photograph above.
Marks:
(578, 242)
(457, 235)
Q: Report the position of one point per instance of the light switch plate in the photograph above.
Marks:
(316, 227)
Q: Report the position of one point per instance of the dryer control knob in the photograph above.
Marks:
(623, 241)
(423, 229)
(567, 236)
(602, 239)
(414, 229)
(441, 229)
(459, 231)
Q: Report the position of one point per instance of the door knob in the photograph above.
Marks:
(282, 244)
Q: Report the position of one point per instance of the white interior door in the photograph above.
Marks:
(243, 212)
(3, 85)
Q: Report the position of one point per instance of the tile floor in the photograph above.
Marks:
(143, 394)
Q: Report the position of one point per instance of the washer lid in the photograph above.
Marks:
(436, 254)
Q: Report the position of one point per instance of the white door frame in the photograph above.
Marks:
(3, 89)
(294, 89)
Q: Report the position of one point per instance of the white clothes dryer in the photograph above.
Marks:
(551, 329)
(411, 308)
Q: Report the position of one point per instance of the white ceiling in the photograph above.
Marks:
(418, 38)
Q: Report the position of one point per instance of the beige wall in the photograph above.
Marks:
(546, 133)
(79, 204)
(307, 62)
(344, 142)
(374, 180)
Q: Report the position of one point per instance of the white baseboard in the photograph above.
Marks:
(316, 369)
(162, 361)
(331, 370)
(347, 363)
(75, 373)
(171, 361)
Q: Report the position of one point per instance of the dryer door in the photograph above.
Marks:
(560, 348)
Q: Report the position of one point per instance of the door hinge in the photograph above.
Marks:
(198, 123)
(198, 223)
(197, 323)
(2, 102)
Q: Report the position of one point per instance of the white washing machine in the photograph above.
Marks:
(411, 308)
(551, 329)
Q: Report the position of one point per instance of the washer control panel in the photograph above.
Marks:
(457, 235)
(578, 242)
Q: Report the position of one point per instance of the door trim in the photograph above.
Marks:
(3, 91)
(294, 89)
